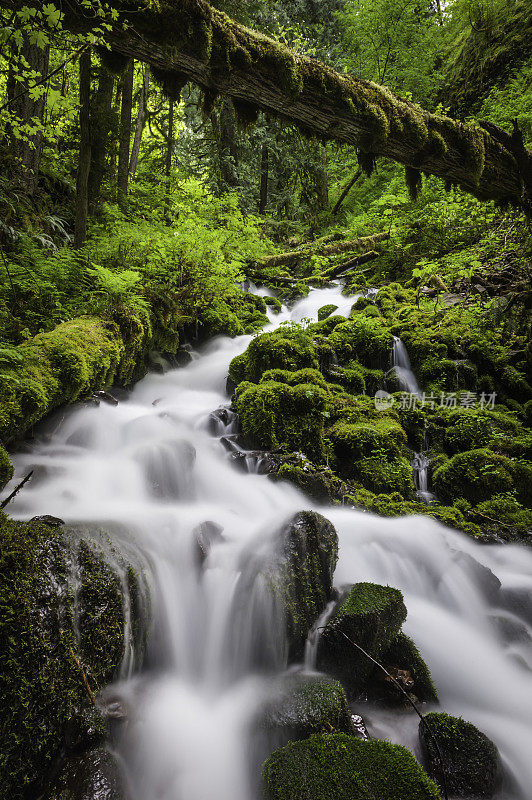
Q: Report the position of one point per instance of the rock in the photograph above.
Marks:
(337, 766)
(47, 519)
(91, 776)
(105, 397)
(183, 357)
(369, 615)
(471, 761)
(62, 604)
(206, 534)
(85, 730)
(403, 661)
(326, 311)
(302, 572)
(223, 421)
(303, 705)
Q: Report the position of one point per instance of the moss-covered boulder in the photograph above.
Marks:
(471, 762)
(6, 468)
(403, 662)
(302, 705)
(287, 348)
(369, 615)
(337, 766)
(91, 776)
(479, 474)
(275, 414)
(62, 616)
(319, 483)
(302, 573)
(353, 442)
(366, 338)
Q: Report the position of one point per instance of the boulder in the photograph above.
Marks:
(368, 615)
(206, 534)
(304, 704)
(91, 776)
(471, 763)
(404, 663)
(63, 621)
(337, 766)
(302, 573)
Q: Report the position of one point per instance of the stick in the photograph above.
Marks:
(16, 490)
(346, 191)
(85, 681)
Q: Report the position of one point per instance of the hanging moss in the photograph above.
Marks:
(414, 182)
(246, 113)
(170, 81)
(113, 61)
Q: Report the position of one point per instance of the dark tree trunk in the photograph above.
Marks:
(322, 184)
(27, 151)
(125, 131)
(228, 144)
(82, 183)
(115, 131)
(264, 174)
(101, 125)
(346, 191)
(168, 154)
(141, 119)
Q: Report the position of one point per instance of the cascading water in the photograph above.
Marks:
(402, 368)
(152, 471)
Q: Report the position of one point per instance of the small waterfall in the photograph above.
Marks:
(420, 466)
(402, 369)
(313, 640)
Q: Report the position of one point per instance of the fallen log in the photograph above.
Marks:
(294, 257)
(343, 269)
(345, 192)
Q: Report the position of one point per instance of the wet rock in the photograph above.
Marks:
(302, 575)
(483, 577)
(359, 727)
(85, 730)
(471, 764)
(305, 704)
(232, 443)
(183, 358)
(405, 664)
(106, 397)
(368, 615)
(65, 617)
(47, 519)
(256, 462)
(223, 421)
(338, 766)
(206, 534)
(91, 776)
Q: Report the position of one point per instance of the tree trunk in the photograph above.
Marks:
(168, 154)
(346, 191)
(115, 131)
(228, 151)
(27, 151)
(264, 171)
(84, 163)
(125, 131)
(101, 125)
(141, 119)
(322, 182)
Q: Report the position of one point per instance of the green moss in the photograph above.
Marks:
(404, 655)
(6, 468)
(340, 767)
(326, 311)
(288, 348)
(507, 509)
(275, 414)
(477, 475)
(319, 483)
(470, 759)
(44, 622)
(371, 616)
(364, 338)
(382, 475)
(383, 437)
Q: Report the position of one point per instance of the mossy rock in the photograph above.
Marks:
(337, 766)
(352, 442)
(303, 705)
(326, 311)
(301, 575)
(287, 348)
(371, 616)
(273, 303)
(318, 483)
(273, 414)
(91, 776)
(46, 625)
(404, 662)
(381, 474)
(471, 763)
(365, 338)
(478, 475)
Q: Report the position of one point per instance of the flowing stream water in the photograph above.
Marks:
(153, 471)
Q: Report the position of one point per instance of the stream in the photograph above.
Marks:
(152, 470)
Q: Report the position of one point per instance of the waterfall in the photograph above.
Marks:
(402, 369)
(154, 472)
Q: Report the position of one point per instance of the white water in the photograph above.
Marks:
(131, 469)
(402, 368)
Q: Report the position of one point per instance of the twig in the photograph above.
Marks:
(16, 490)
(418, 712)
(85, 681)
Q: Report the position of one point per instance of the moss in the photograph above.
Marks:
(288, 348)
(44, 621)
(404, 657)
(275, 414)
(353, 442)
(478, 475)
(301, 574)
(319, 483)
(469, 432)
(470, 760)
(380, 474)
(413, 181)
(273, 302)
(326, 311)
(371, 616)
(507, 509)
(340, 767)
(6, 468)
(303, 705)
(363, 338)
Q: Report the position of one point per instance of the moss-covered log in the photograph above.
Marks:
(189, 40)
(294, 257)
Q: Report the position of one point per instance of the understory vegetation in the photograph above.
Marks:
(139, 211)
